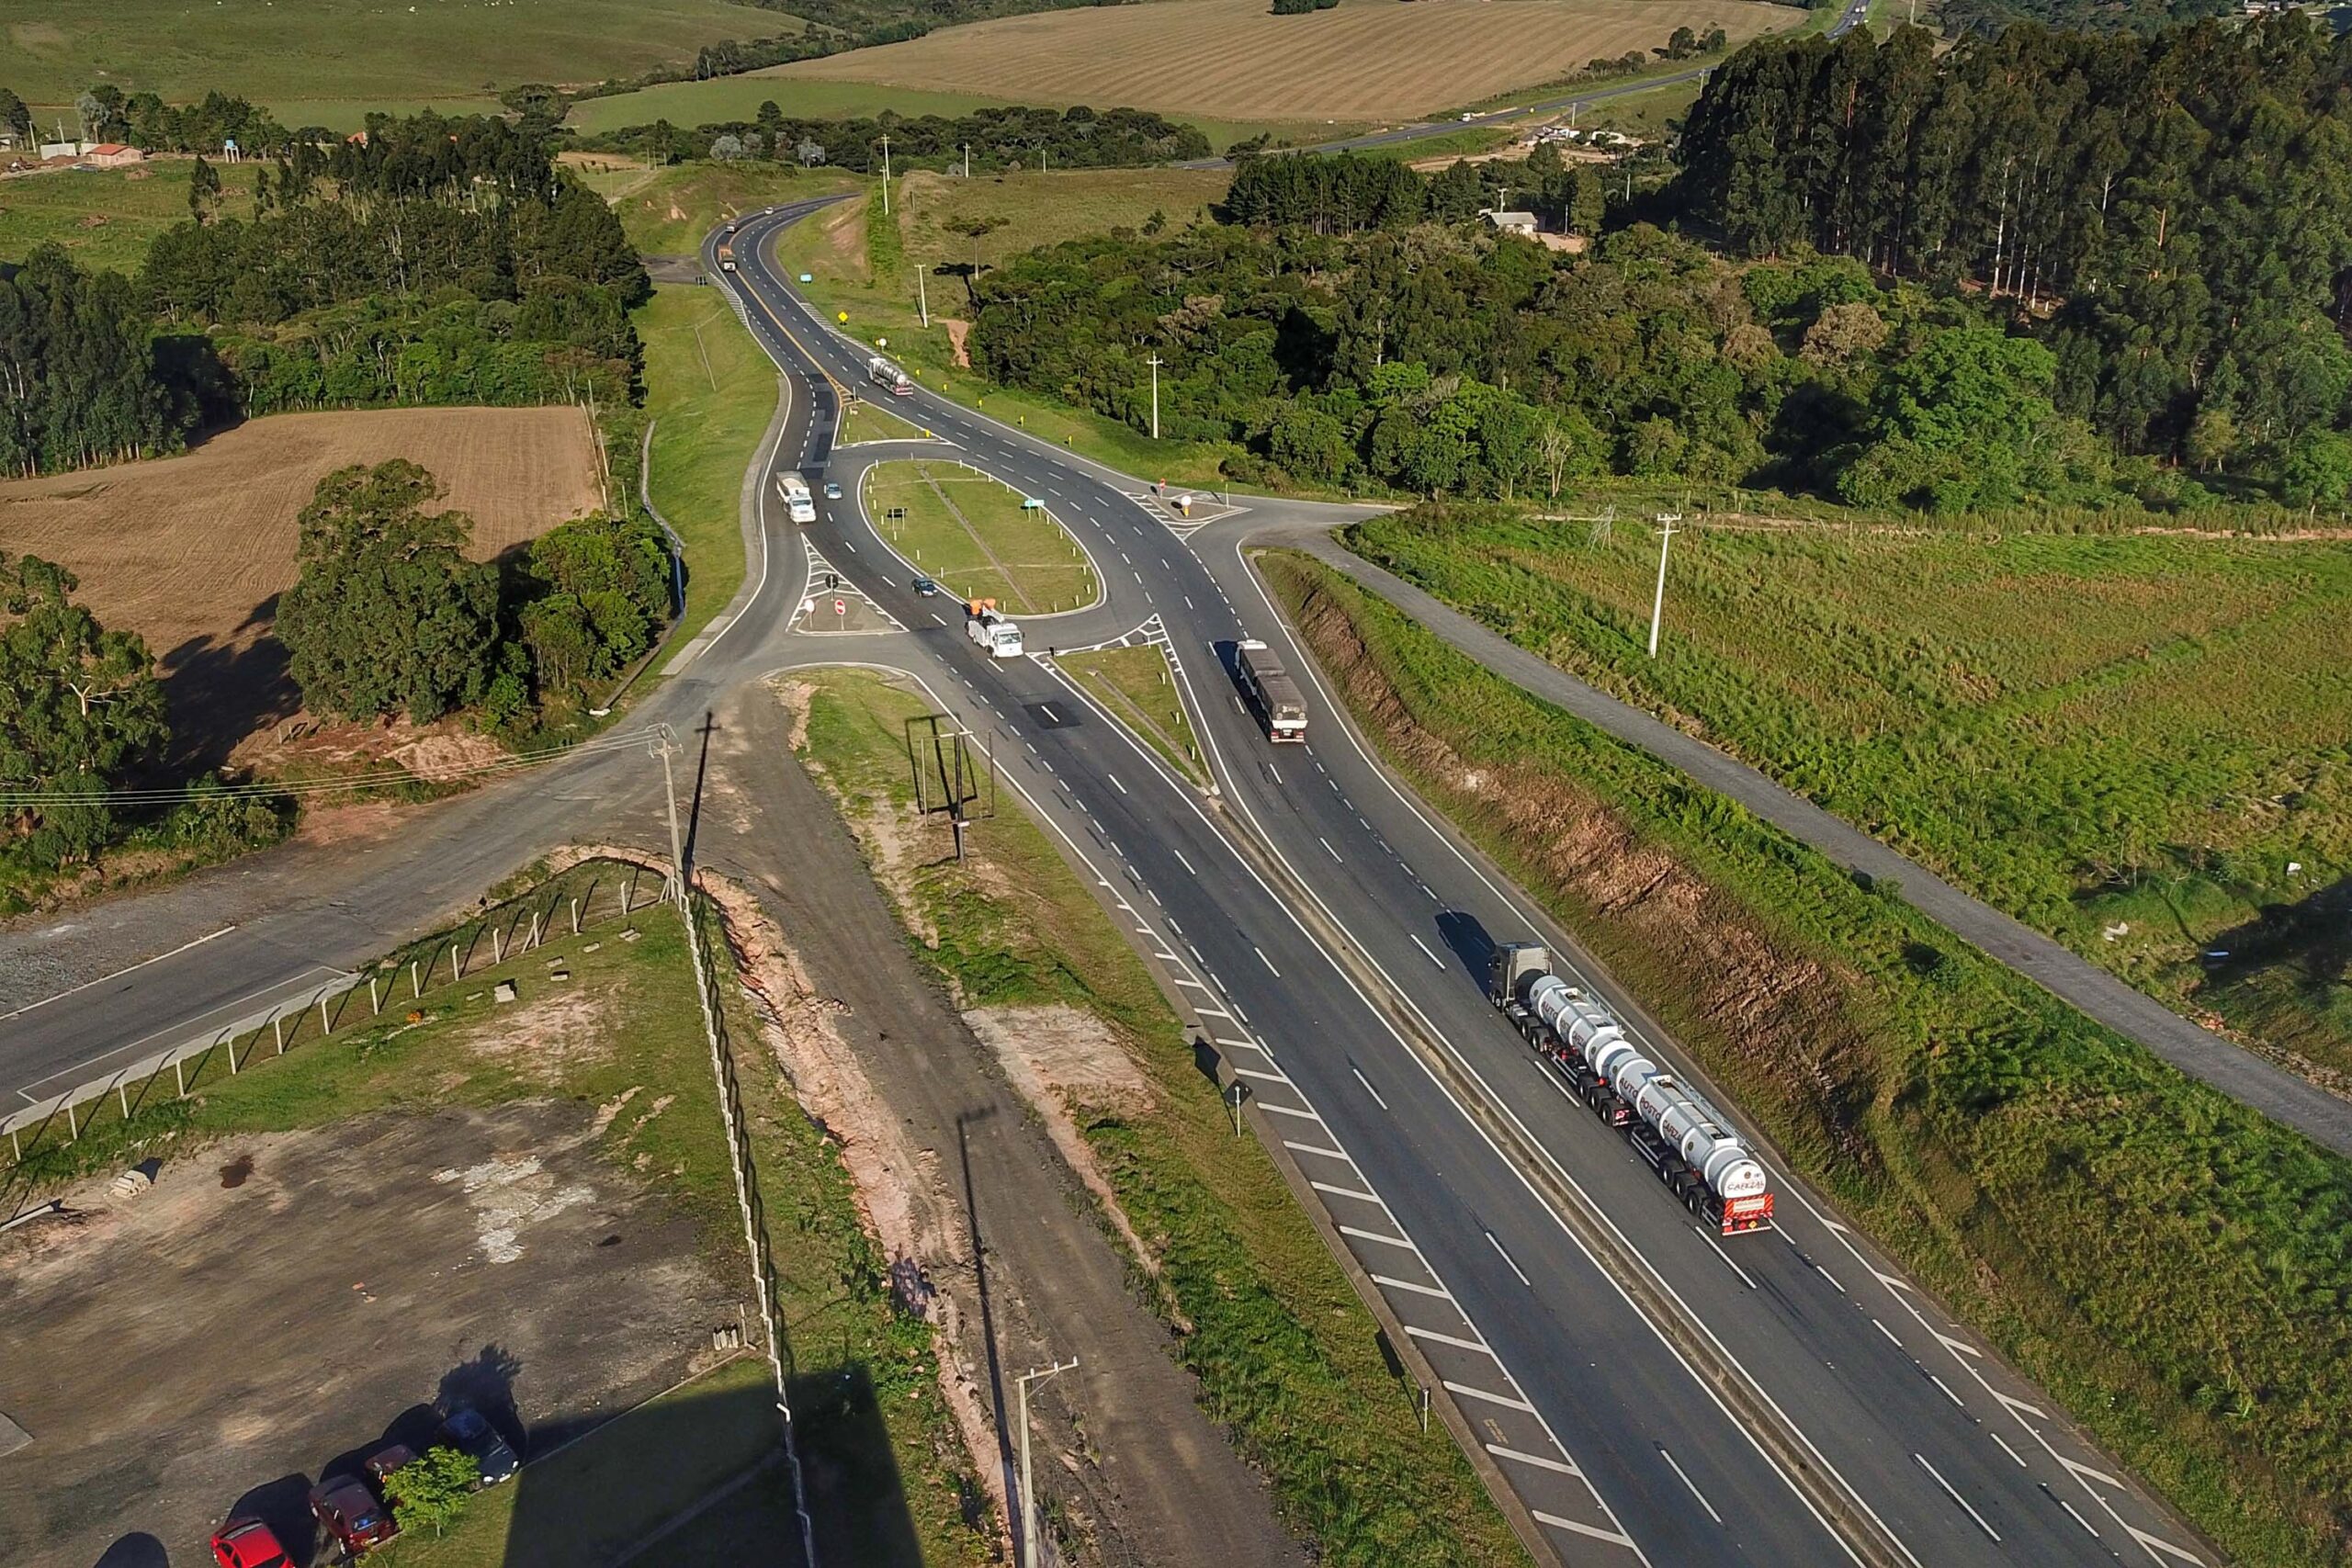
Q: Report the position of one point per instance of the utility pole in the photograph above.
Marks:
(968, 160)
(665, 745)
(885, 174)
(1029, 1558)
(922, 295)
(1667, 520)
(1155, 362)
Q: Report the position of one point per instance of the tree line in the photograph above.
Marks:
(1444, 360)
(438, 261)
(2166, 216)
(1075, 138)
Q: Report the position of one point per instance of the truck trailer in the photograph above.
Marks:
(1700, 1157)
(1280, 707)
(890, 377)
(793, 491)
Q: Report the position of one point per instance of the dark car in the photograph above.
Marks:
(468, 1431)
(352, 1515)
(926, 587)
(383, 1462)
(248, 1543)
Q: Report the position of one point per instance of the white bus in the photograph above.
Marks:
(793, 491)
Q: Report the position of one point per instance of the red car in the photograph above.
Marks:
(248, 1543)
(351, 1513)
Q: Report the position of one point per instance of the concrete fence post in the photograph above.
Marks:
(179, 1076)
(73, 1124)
(122, 1093)
(325, 1026)
(456, 973)
(497, 945)
(535, 929)
(575, 917)
(16, 1149)
(277, 1032)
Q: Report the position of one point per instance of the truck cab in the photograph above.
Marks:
(991, 631)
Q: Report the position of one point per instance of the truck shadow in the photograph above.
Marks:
(1467, 938)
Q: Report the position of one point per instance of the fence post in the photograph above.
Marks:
(123, 1094)
(375, 1005)
(16, 1149)
(416, 981)
(497, 945)
(179, 1076)
(534, 931)
(73, 1124)
(575, 917)
(456, 973)
(325, 1027)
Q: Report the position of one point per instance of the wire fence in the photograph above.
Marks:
(707, 935)
(592, 893)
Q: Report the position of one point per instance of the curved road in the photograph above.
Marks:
(1640, 1391)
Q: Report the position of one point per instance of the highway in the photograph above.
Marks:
(1645, 1392)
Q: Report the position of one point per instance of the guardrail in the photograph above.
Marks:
(591, 894)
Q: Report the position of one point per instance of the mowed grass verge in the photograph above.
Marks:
(979, 539)
(104, 219)
(1139, 689)
(2167, 1264)
(2124, 740)
(867, 420)
(710, 390)
(1288, 1359)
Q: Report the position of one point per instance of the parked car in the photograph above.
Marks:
(385, 1461)
(249, 1543)
(926, 587)
(469, 1431)
(351, 1513)
(832, 490)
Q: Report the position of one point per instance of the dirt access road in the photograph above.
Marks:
(1123, 1446)
(280, 1301)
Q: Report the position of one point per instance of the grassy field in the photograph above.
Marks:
(866, 420)
(1363, 62)
(1137, 686)
(666, 210)
(335, 52)
(2125, 742)
(105, 218)
(710, 389)
(838, 248)
(1287, 1357)
(740, 97)
(977, 539)
(2167, 1263)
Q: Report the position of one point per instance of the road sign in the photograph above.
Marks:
(841, 606)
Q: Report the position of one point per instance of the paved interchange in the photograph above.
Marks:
(1647, 1392)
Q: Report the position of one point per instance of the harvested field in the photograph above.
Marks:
(1365, 60)
(192, 552)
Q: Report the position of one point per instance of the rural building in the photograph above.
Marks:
(62, 149)
(113, 156)
(1514, 222)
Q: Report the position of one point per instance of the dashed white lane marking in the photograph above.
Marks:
(1431, 1334)
(1506, 1401)
(1327, 845)
(2007, 1449)
(1614, 1538)
(1685, 1476)
(1890, 1335)
(937, 622)
(1947, 1388)
(1437, 1290)
(1956, 1497)
(1115, 783)
(1182, 861)
(1425, 951)
(2077, 1517)
(1831, 1278)
(1509, 1260)
(1538, 1460)
(1367, 1087)
(1702, 1236)
(1266, 961)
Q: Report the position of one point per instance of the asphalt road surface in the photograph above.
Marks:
(1647, 1392)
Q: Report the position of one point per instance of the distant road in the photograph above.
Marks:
(1852, 17)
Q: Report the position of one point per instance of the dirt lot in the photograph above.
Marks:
(1368, 59)
(192, 552)
(285, 1299)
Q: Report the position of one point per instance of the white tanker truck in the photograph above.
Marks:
(1694, 1151)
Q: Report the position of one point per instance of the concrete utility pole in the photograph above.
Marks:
(886, 174)
(922, 295)
(1667, 520)
(1155, 362)
(1029, 1558)
(968, 160)
(665, 745)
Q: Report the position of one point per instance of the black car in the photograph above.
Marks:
(469, 1431)
(926, 587)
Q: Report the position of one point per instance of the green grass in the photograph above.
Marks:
(833, 248)
(977, 539)
(666, 211)
(349, 51)
(1287, 1357)
(867, 420)
(1139, 689)
(2169, 1265)
(2122, 741)
(710, 389)
(725, 99)
(105, 218)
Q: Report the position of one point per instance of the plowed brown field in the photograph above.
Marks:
(1376, 61)
(192, 552)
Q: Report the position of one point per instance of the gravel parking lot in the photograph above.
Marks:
(280, 1301)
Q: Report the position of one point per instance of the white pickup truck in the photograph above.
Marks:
(1001, 637)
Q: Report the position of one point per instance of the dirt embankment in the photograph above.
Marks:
(1778, 1013)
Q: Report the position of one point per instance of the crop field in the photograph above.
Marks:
(1365, 60)
(974, 537)
(192, 552)
(2136, 743)
(323, 53)
(103, 217)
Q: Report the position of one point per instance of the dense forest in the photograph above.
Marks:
(1076, 138)
(438, 260)
(2168, 215)
(2087, 16)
